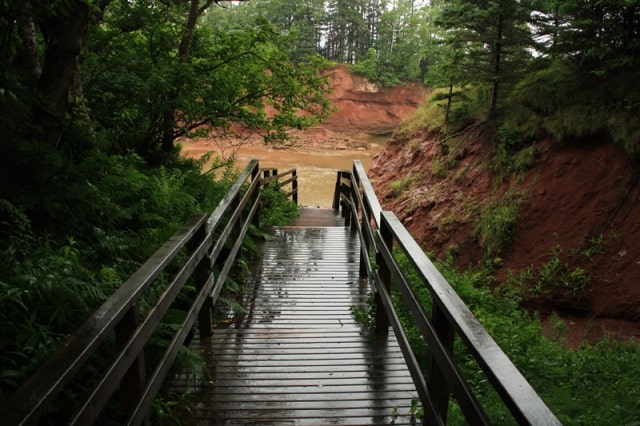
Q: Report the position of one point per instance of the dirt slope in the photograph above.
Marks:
(361, 109)
(362, 105)
(581, 206)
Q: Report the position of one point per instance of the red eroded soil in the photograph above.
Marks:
(365, 106)
(577, 197)
(361, 109)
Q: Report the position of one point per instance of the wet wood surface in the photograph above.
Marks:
(297, 356)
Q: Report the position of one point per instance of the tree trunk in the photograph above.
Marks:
(65, 31)
(29, 62)
(493, 111)
(64, 35)
(168, 118)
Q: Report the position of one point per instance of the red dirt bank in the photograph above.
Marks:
(361, 109)
(576, 194)
(362, 105)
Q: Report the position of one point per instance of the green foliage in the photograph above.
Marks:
(367, 66)
(567, 380)
(555, 277)
(387, 43)
(496, 226)
(487, 44)
(229, 77)
(276, 209)
(446, 113)
(365, 315)
(46, 293)
(52, 283)
(597, 35)
(375, 72)
(428, 117)
(511, 157)
(594, 247)
(562, 102)
(403, 184)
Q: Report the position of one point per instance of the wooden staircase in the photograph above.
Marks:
(297, 356)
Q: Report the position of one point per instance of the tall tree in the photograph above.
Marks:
(165, 87)
(601, 36)
(347, 31)
(42, 50)
(494, 36)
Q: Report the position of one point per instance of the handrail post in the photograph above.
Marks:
(384, 275)
(365, 250)
(336, 193)
(255, 174)
(294, 186)
(346, 213)
(133, 382)
(436, 382)
(201, 276)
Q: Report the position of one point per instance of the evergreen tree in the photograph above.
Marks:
(600, 36)
(493, 36)
(346, 31)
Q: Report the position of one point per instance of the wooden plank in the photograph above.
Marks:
(298, 356)
(315, 217)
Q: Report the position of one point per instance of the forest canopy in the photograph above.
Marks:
(535, 68)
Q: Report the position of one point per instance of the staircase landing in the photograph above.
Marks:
(317, 217)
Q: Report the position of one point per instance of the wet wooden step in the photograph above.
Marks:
(315, 217)
(297, 356)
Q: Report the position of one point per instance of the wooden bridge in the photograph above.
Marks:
(297, 356)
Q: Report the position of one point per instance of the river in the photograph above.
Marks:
(316, 166)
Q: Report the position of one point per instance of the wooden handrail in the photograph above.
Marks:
(379, 231)
(271, 175)
(203, 239)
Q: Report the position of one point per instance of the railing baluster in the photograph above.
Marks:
(201, 277)
(133, 382)
(384, 273)
(337, 192)
(294, 186)
(436, 381)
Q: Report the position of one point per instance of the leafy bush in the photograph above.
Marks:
(465, 108)
(554, 278)
(567, 380)
(277, 208)
(496, 226)
(45, 294)
(51, 282)
(403, 184)
(511, 157)
(371, 68)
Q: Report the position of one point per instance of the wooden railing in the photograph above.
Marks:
(379, 232)
(281, 180)
(203, 243)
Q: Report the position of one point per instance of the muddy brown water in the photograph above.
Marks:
(316, 169)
